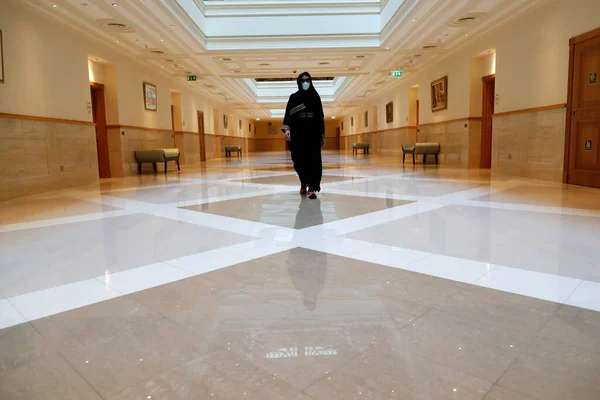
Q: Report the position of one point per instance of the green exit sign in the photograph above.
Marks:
(397, 73)
(191, 77)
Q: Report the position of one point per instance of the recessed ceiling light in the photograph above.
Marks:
(387, 48)
(172, 25)
(54, 5)
(114, 5)
(116, 41)
(258, 119)
(414, 20)
(466, 34)
(161, 40)
(333, 117)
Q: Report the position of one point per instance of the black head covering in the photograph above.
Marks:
(310, 96)
(299, 81)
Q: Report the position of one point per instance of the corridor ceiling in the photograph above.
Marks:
(229, 43)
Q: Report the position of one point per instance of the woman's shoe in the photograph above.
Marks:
(311, 193)
(302, 189)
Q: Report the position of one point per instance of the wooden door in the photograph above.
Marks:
(583, 111)
(99, 114)
(489, 89)
(417, 120)
(337, 138)
(201, 134)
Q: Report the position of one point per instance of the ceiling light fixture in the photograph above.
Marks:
(114, 5)
(258, 119)
(333, 117)
(161, 40)
(116, 41)
(172, 25)
(54, 6)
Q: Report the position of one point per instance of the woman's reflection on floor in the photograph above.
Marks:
(308, 272)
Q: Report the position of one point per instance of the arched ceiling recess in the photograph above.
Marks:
(227, 44)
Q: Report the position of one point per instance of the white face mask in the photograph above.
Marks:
(305, 85)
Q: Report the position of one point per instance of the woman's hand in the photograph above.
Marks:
(323, 141)
(288, 136)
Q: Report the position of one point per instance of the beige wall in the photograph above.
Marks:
(531, 66)
(47, 74)
(530, 59)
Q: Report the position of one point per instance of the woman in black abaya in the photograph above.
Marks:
(304, 128)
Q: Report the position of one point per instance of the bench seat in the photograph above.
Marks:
(423, 149)
(155, 156)
(360, 146)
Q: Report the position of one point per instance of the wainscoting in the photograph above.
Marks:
(43, 154)
(530, 143)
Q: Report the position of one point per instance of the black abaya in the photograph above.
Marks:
(306, 122)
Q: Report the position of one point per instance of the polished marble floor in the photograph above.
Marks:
(399, 282)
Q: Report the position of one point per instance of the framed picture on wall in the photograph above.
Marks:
(1, 59)
(342, 125)
(351, 121)
(366, 119)
(150, 97)
(249, 127)
(225, 121)
(439, 94)
(389, 112)
(240, 123)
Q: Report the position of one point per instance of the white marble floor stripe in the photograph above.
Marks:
(65, 220)
(142, 278)
(9, 315)
(59, 299)
(530, 283)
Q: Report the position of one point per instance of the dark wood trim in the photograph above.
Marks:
(381, 131)
(46, 119)
(451, 120)
(585, 36)
(2, 58)
(569, 106)
(201, 135)
(99, 114)
(182, 132)
(487, 111)
(530, 110)
(141, 128)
